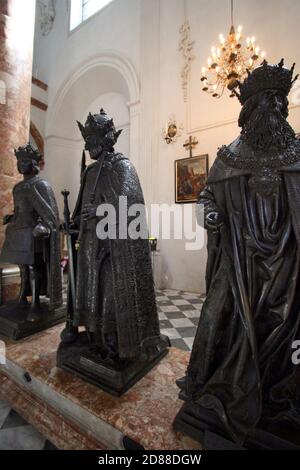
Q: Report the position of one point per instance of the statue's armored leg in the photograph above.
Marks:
(24, 289)
(35, 284)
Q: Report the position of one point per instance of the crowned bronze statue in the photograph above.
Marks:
(111, 289)
(32, 242)
(242, 382)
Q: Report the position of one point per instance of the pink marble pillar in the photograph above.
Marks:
(17, 18)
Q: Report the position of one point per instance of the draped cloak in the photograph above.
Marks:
(241, 364)
(114, 286)
(34, 199)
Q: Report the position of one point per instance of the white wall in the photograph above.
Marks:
(145, 34)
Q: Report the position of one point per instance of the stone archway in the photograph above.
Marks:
(124, 80)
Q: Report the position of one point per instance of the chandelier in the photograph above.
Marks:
(230, 62)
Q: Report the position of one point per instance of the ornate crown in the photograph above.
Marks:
(266, 77)
(96, 124)
(27, 151)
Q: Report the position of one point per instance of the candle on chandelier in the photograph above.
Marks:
(222, 39)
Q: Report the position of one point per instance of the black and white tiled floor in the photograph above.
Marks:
(17, 434)
(178, 312)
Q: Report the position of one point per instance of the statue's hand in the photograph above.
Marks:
(89, 212)
(7, 219)
(213, 220)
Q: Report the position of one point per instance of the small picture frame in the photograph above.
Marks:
(190, 178)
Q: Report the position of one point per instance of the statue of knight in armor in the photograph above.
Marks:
(32, 239)
(241, 381)
(114, 298)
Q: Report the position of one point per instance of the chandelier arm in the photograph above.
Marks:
(230, 62)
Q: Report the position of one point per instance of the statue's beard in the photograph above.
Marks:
(267, 129)
(95, 152)
(107, 145)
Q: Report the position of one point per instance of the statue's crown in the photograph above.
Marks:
(27, 151)
(266, 77)
(96, 124)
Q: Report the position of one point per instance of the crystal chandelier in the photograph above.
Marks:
(230, 62)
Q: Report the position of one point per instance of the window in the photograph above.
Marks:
(81, 10)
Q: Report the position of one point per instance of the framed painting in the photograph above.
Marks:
(190, 178)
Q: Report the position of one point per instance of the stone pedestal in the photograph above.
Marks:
(52, 425)
(143, 416)
(16, 47)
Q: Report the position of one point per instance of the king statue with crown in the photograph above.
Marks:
(113, 295)
(32, 241)
(242, 382)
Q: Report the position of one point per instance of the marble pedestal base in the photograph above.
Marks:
(15, 325)
(52, 425)
(144, 414)
(204, 426)
(112, 376)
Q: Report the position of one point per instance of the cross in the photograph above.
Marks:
(191, 144)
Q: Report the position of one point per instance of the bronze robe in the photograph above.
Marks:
(241, 363)
(114, 286)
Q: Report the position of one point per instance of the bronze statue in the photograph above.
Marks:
(114, 298)
(32, 241)
(241, 382)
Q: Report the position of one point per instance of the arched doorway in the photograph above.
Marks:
(107, 81)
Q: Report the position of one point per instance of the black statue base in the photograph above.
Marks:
(18, 321)
(204, 426)
(114, 377)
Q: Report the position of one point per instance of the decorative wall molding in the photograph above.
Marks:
(216, 124)
(186, 47)
(60, 138)
(39, 83)
(37, 137)
(148, 163)
(47, 15)
(39, 104)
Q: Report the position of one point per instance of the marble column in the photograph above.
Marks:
(17, 19)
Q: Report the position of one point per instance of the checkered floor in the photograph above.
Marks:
(17, 434)
(178, 312)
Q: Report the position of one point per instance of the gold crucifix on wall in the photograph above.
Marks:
(190, 144)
